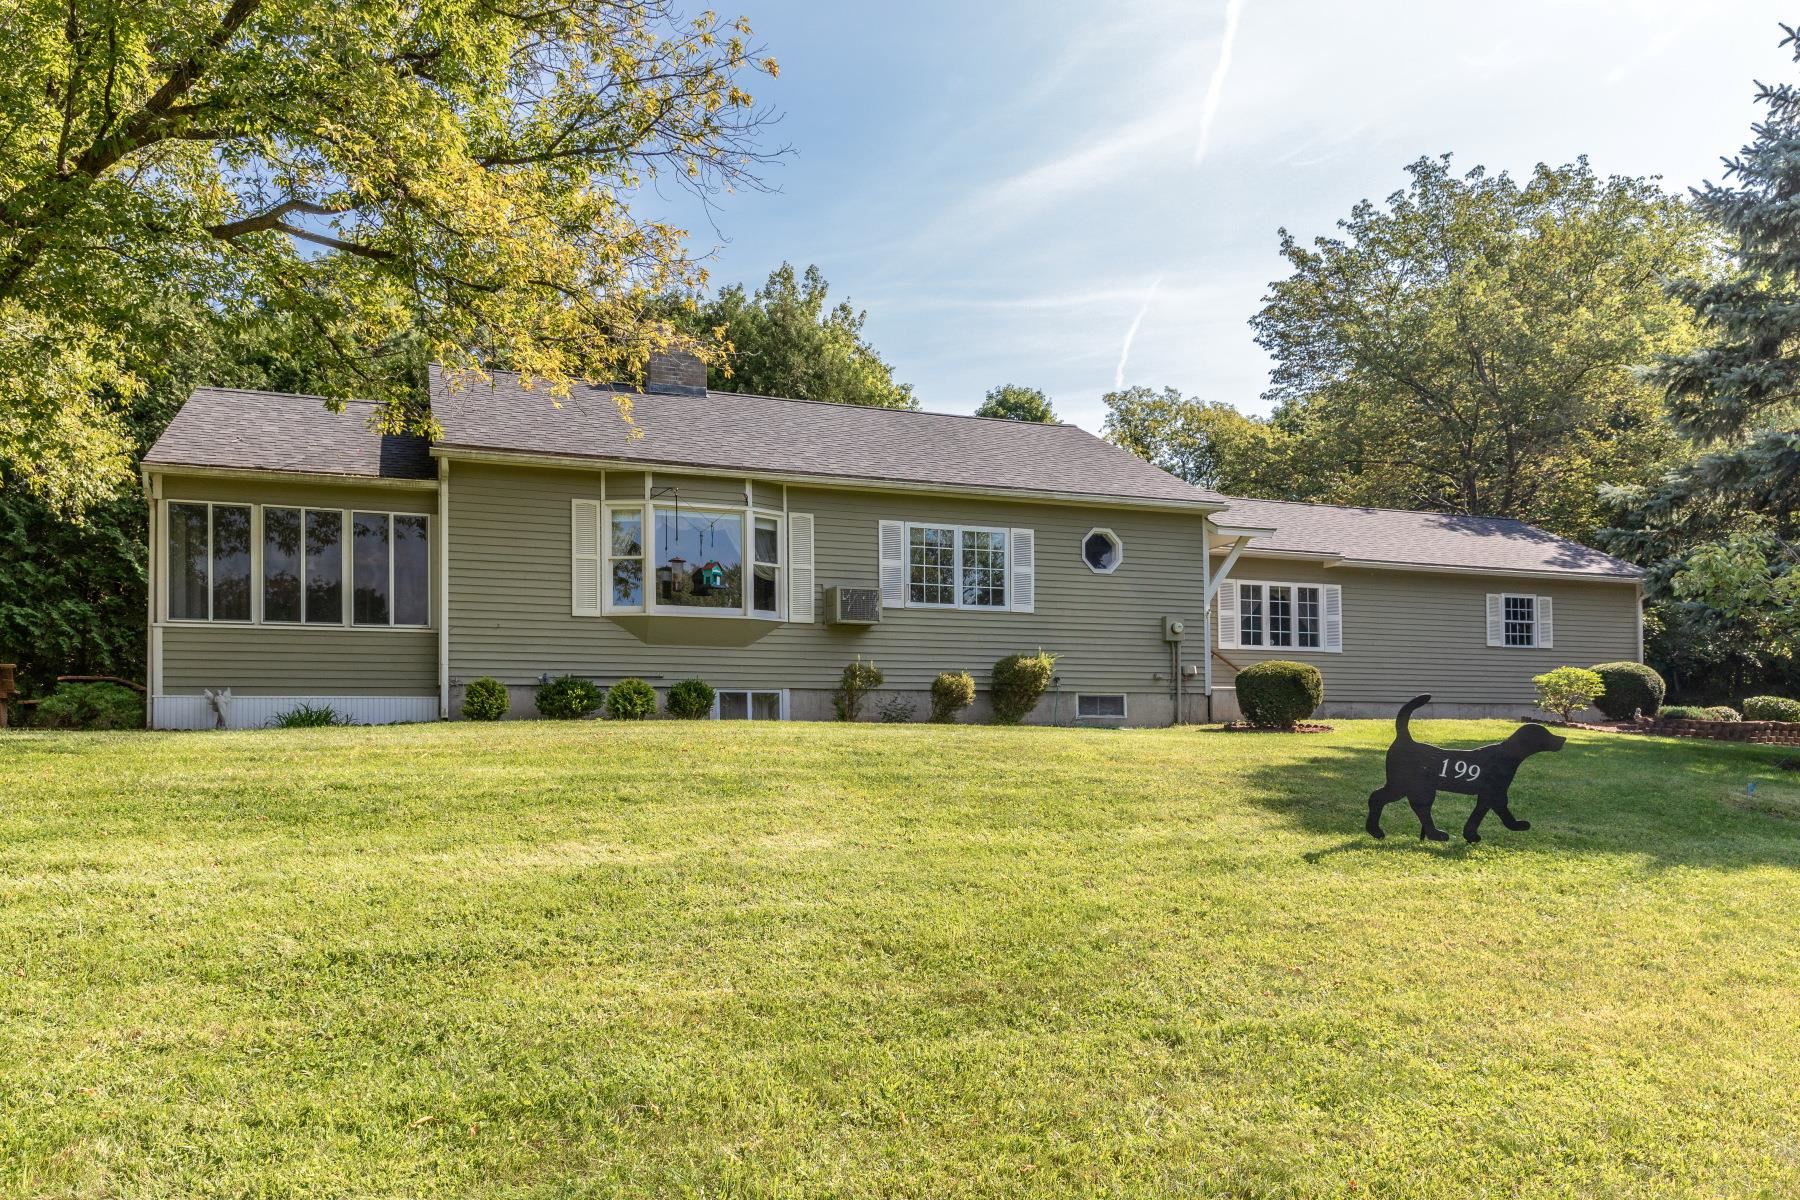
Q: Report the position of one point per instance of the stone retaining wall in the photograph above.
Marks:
(1761, 733)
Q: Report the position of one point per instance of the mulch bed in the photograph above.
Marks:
(1302, 727)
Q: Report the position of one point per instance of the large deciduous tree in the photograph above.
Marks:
(1012, 402)
(1211, 445)
(443, 179)
(1476, 344)
(787, 339)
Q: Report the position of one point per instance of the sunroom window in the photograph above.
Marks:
(391, 572)
(209, 562)
(303, 566)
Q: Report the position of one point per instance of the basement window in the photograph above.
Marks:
(748, 706)
(1092, 706)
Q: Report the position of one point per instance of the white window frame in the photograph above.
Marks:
(255, 564)
(956, 587)
(346, 540)
(746, 515)
(1293, 616)
(749, 693)
(1505, 597)
(1124, 704)
(1118, 550)
(646, 534)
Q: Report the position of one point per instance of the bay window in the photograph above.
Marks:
(698, 560)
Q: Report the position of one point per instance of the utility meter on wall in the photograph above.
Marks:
(1174, 629)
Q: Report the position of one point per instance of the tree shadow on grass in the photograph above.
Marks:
(1604, 793)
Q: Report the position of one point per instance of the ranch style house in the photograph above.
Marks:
(762, 544)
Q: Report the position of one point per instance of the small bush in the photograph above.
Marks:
(1630, 687)
(1020, 681)
(859, 679)
(486, 699)
(90, 706)
(1689, 712)
(630, 700)
(568, 698)
(1279, 694)
(691, 700)
(308, 716)
(1771, 708)
(895, 710)
(1567, 690)
(951, 692)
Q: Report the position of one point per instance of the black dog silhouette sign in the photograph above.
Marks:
(1418, 772)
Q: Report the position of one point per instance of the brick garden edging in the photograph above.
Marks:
(1758, 733)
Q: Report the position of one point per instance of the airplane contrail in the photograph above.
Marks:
(1131, 334)
(1209, 108)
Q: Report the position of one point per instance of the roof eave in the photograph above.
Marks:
(456, 451)
(206, 471)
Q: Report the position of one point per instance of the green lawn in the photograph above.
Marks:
(757, 960)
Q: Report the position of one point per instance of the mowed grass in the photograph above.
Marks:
(812, 960)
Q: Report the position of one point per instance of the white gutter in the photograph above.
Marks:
(852, 482)
(374, 481)
(443, 587)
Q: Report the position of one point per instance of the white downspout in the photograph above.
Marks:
(1206, 592)
(152, 572)
(443, 588)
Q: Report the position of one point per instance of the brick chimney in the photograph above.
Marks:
(675, 373)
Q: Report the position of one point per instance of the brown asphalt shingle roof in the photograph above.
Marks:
(1388, 535)
(736, 432)
(275, 431)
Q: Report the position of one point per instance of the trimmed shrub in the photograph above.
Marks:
(895, 710)
(1278, 694)
(1771, 708)
(859, 679)
(568, 698)
(1690, 712)
(1020, 681)
(486, 699)
(308, 716)
(631, 700)
(90, 706)
(951, 692)
(691, 700)
(1630, 687)
(1567, 690)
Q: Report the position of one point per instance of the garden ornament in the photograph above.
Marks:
(1419, 772)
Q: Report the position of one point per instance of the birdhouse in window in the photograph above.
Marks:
(711, 575)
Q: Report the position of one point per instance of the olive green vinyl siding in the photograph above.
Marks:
(624, 485)
(298, 660)
(764, 494)
(510, 595)
(1408, 632)
(697, 489)
(270, 660)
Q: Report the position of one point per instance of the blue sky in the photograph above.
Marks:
(1066, 195)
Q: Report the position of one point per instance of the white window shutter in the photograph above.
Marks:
(1545, 632)
(1021, 553)
(1332, 601)
(584, 539)
(1228, 615)
(891, 551)
(802, 593)
(1496, 615)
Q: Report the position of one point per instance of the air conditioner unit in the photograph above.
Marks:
(852, 606)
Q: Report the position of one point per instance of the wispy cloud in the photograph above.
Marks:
(1132, 332)
(1215, 89)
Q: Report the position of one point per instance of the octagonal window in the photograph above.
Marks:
(1102, 550)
